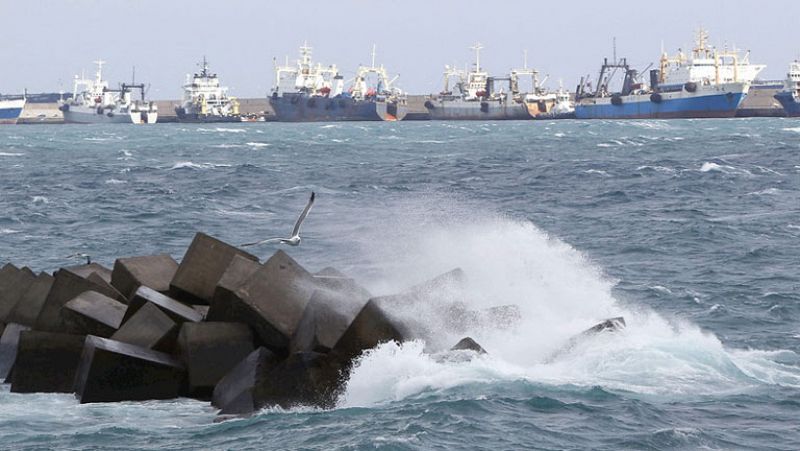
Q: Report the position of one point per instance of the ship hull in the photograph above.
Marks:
(789, 103)
(292, 107)
(81, 115)
(458, 110)
(10, 110)
(203, 118)
(710, 102)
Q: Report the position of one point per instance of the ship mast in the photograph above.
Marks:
(477, 47)
(99, 73)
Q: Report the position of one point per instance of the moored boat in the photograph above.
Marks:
(10, 110)
(708, 84)
(205, 100)
(789, 97)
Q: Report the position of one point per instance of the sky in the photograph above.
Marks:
(46, 42)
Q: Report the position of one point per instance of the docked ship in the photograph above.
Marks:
(544, 104)
(476, 97)
(93, 102)
(204, 100)
(708, 84)
(789, 97)
(311, 93)
(10, 110)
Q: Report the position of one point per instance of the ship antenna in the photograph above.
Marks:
(373, 55)
(525, 59)
(99, 69)
(133, 76)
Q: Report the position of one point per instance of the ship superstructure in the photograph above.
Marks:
(205, 100)
(789, 97)
(476, 96)
(308, 92)
(709, 83)
(93, 101)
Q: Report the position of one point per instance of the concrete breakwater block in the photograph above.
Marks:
(326, 318)
(113, 371)
(468, 344)
(153, 271)
(66, 286)
(369, 328)
(306, 378)
(92, 313)
(46, 362)
(149, 328)
(177, 311)
(239, 270)
(9, 343)
(234, 393)
(92, 268)
(272, 301)
(32, 301)
(14, 284)
(211, 350)
(202, 267)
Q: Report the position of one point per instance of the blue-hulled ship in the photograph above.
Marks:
(708, 84)
(10, 110)
(789, 97)
(315, 93)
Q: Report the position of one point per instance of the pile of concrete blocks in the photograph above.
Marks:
(219, 326)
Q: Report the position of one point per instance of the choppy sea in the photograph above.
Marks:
(690, 229)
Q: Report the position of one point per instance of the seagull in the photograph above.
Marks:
(294, 239)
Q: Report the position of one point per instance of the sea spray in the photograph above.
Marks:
(560, 292)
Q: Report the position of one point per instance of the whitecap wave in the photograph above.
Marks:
(258, 145)
(40, 200)
(192, 165)
(560, 293)
(222, 130)
(11, 154)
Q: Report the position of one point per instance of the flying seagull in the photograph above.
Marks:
(294, 239)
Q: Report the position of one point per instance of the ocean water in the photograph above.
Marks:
(689, 229)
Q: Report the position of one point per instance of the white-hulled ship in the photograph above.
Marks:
(204, 100)
(10, 110)
(308, 92)
(789, 97)
(477, 98)
(93, 102)
(710, 83)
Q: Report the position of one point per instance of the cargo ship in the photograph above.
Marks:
(477, 98)
(93, 102)
(204, 100)
(10, 110)
(314, 93)
(789, 97)
(708, 84)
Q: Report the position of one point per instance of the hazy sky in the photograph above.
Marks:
(46, 42)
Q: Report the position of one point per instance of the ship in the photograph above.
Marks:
(204, 100)
(789, 97)
(93, 102)
(544, 104)
(708, 84)
(11, 109)
(476, 97)
(314, 93)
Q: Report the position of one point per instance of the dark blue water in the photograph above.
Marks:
(689, 229)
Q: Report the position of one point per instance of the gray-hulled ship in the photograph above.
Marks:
(477, 96)
(309, 93)
(204, 100)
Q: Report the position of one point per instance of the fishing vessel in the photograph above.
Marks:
(307, 92)
(476, 97)
(10, 110)
(789, 97)
(93, 102)
(709, 83)
(204, 100)
(551, 105)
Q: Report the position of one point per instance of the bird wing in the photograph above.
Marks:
(267, 241)
(296, 230)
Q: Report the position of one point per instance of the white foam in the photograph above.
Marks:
(4, 231)
(710, 166)
(560, 293)
(40, 200)
(192, 165)
(596, 171)
(258, 145)
(11, 154)
(113, 181)
(222, 130)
